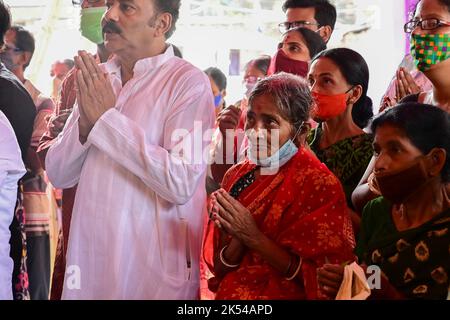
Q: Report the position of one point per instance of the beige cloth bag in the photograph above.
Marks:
(354, 285)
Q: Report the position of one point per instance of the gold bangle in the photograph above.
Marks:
(296, 271)
(223, 260)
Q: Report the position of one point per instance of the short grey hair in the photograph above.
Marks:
(291, 94)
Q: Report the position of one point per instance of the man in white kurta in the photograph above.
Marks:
(137, 221)
(11, 170)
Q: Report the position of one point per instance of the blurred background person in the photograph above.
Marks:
(36, 190)
(19, 109)
(218, 86)
(58, 72)
(295, 51)
(11, 170)
(316, 15)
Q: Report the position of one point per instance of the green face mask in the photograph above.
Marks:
(428, 50)
(91, 24)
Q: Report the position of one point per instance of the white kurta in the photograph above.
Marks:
(137, 221)
(11, 170)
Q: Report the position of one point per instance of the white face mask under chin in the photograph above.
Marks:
(278, 158)
(248, 88)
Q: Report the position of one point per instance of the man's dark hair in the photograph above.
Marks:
(172, 7)
(218, 76)
(24, 41)
(5, 21)
(325, 12)
(426, 126)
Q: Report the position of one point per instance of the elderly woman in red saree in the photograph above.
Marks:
(281, 213)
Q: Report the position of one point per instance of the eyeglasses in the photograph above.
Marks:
(426, 24)
(286, 26)
(80, 2)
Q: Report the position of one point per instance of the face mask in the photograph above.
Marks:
(329, 107)
(278, 158)
(428, 50)
(249, 85)
(91, 24)
(7, 60)
(217, 100)
(281, 62)
(399, 185)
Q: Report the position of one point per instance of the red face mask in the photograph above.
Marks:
(282, 63)
(398, 185)
(329, 107)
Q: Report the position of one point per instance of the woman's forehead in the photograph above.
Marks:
(293, 36)
(264, 103)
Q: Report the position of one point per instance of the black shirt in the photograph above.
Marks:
(18, 107)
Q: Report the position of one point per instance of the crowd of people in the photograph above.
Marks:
(170, 191)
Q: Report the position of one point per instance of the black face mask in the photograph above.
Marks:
(399, 185)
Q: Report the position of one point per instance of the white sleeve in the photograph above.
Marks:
(11, 170)
(65, 158)
(175, 169)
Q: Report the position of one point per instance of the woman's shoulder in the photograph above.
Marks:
(307, 168)
(376, 211)
(363, 140)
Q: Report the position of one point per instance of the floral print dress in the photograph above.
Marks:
(347, 159)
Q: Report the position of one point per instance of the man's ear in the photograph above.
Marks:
(437, 158)
(325, 32)
(163, 24)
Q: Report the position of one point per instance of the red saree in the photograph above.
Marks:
(303, 209)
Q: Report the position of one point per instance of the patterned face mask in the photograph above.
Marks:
(428, 50)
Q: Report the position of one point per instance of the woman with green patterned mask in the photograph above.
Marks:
(430, 48)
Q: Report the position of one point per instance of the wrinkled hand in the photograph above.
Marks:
(228, 119)
(56, 123)
(330, 278)
(231, 216)
(95, 94)
(405, 84)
